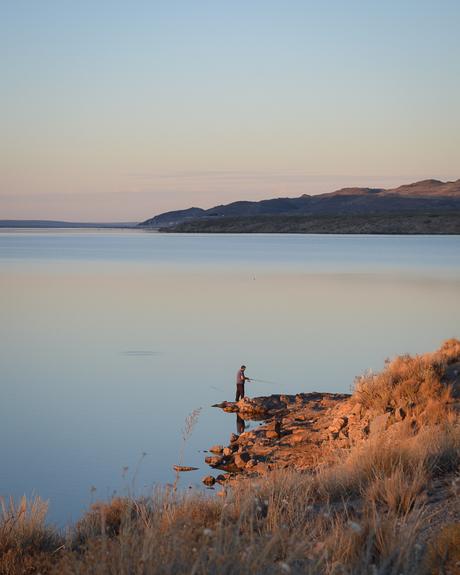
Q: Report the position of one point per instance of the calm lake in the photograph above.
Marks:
(109, 339)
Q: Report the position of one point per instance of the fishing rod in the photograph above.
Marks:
(264, 381)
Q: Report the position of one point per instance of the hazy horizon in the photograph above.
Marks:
(316, 185)
(117, 112)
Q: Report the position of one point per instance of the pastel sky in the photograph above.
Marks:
(117, 110)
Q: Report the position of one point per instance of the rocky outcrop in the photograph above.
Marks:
(302, 430)
(259, 408)
(296, 429)
(299, 431)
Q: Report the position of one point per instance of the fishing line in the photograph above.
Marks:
(264, 381)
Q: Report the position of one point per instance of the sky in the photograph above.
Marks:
(116, 111)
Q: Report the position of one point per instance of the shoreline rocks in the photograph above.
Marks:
(181, 468)
(296, 429)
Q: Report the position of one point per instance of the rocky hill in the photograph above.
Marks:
(424, 198)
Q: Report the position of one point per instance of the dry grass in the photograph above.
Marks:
(362, 515)
(27, 544)
(394, 468)
(443, 555)
(412, 383)
(280, 524)
(365, 513)
(187, 430)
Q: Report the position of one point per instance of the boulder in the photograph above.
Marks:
(278, 425)
(180, 468)
(231, 408)
(234, 437)
(227, 451)
(298, 436)
(227, 406)
(216, 449)
(299, 400)
(214, 460)
(357, 408)
(355, 433)
(379, 423)
(256, 407)
(209, 480)
(241, 459)
(338, 424)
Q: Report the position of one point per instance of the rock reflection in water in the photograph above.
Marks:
(240, 424)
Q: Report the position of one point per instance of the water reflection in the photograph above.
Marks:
(240, 424)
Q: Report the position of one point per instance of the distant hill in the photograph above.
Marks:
(59, 224)
(425, 198)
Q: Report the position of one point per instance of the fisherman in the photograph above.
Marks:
(240, 379)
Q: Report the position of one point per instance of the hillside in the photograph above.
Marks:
(425, 198)
(405, 223)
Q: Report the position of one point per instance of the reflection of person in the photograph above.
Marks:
(240, 425)
(240, 380)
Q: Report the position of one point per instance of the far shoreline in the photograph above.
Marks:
(377, 225)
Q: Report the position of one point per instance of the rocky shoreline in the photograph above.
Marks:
(297, 431)
(307, 430)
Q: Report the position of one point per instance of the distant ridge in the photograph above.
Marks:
(61, 224)
(427, 196)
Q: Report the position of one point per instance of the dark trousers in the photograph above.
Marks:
(239, 391)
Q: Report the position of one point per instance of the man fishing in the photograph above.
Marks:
(240, 380)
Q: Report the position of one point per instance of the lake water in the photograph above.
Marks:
(109, 339)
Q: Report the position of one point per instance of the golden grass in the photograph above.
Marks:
(361, 515)
(412, 383)
(27, 544)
